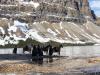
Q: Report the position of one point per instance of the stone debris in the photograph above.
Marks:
(58, 66)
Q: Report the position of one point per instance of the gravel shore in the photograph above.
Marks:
(60, 65)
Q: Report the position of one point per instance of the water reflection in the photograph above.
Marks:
(41, 60)
(37, 60)
(50, 60)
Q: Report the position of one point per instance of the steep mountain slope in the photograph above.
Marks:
(64, 21)
(67, 32)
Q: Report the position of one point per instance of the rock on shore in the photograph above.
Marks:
(59, 66)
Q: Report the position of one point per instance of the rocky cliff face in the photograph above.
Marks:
(64, 8)
(53, 10)
(86, 10)
(64, 21)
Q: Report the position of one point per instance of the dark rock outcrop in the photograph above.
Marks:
(53, 10)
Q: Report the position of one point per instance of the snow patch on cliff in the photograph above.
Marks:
(35, 4)
(51, 31)
(34, 35)
(2, 30)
